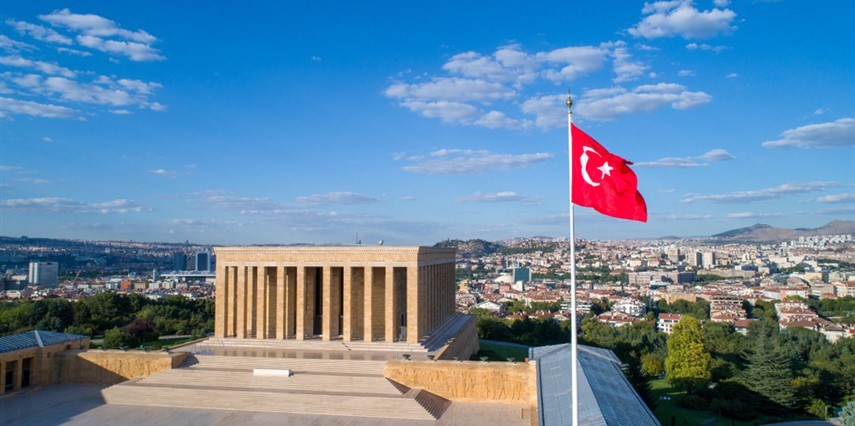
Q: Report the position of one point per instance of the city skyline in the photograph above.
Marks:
(313, 123)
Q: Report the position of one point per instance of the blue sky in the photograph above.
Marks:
(411, 123)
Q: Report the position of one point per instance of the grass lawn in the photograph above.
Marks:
(684, 417)
(501, 352)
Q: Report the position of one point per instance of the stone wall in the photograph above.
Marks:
(463, 345)
(113, 366)
(469, 381)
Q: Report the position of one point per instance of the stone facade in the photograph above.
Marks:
(353, 293)
(469, 381)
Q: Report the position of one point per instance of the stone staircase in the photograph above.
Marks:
(318, 386)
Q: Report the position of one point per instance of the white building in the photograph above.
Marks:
(666, 322)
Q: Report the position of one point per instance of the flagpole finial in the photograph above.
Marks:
(569, 101)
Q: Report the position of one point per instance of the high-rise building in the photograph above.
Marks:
(44, 274)
(708, 259)
(522, 274)
(179, 261)
(203, 261)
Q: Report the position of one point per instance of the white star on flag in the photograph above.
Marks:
(606, 169)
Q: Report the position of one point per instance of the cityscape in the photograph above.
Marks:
(557, 213)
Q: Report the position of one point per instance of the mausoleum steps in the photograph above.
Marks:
(339, 387)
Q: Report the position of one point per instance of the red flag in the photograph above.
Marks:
(604, 181)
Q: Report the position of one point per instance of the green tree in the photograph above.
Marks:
(847, 414)
(688, 362)
(652, 364)
(769, 373)
(115, 338)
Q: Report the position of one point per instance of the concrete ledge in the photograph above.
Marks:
(267, 372)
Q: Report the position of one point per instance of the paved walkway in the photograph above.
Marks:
(82, 405)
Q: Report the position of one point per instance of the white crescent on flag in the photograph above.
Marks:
(583, 160)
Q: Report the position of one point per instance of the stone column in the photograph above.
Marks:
(2, 377)
(240, 332)
(347, 304)
(413, 304)
(280, 302)
(261, 302)
(368, 303)
(326, 305)
(231, 313)
(221, 304)
(390, 305)
(301, 303)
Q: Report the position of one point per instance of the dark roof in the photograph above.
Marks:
(35, 338)
(605, 395)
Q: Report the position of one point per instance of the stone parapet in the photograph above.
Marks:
(469, 381)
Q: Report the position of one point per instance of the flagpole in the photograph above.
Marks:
(573, 326)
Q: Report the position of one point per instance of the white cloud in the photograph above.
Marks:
(762, 194)
(684, 162)
(451, 89)
(550, 111)
(607, 104)
(163, 172)
(135, 51)
(574, 61)
(73, 51)
(38, 32)
(837, 198)
(681, 18)
(45, 67)
(466, 161)
(670, 162)
(717, 155)
(98, 33)
(10, 106)
(497, 197)
(34, 181)
(14, 46)
(343, 198)
(480, 88)
(749, 215)
(507, 64)
(66, 205)
(625, 68)
(675, 216)
(824, 135)
(732, 75)
(707, 47)
(685, 73)
(408, 198)
(229, 201)
(94, 25)
(315, 58)
(102, 91)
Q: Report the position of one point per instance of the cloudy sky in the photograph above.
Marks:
(281, 123)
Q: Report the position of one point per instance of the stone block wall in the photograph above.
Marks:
(469, 381)
(113, 366)
(463, 345)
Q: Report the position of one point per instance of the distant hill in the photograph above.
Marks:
(470, 248)
(765, 233)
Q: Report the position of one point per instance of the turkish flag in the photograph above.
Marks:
(603, 180)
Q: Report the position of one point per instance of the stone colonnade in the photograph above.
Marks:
(353, 293)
